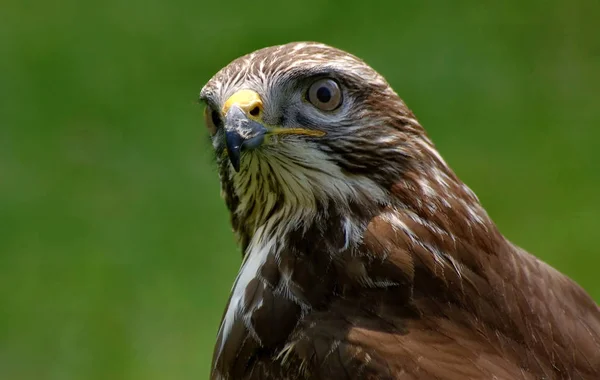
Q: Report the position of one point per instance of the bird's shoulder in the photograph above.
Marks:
(411, 302)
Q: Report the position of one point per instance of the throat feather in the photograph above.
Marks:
(290, 188)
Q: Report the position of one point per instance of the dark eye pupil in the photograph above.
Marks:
(324, 94)
(215, 119)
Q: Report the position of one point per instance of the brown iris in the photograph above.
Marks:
(325, 94)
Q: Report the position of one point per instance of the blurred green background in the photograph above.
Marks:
(116, 256)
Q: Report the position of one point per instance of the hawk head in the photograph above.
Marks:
(301, 126)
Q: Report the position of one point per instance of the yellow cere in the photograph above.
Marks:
(245, 99)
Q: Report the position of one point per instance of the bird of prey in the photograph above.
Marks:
(364, 255)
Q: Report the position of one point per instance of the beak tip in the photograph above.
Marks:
(235, 162)
(237, 125)
(234, 142)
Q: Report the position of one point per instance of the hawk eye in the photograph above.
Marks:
(325, 94)
(212, 119)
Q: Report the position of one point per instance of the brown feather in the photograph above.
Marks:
(419, 284)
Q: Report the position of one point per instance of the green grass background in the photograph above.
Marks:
(116, 257)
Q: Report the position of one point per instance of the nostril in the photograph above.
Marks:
(255, 111)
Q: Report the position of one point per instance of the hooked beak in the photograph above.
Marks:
(241, 133)
(243, 124)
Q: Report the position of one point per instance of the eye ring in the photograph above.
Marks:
(212, 119)
(325, 94)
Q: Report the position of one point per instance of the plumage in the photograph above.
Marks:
(364, 255)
